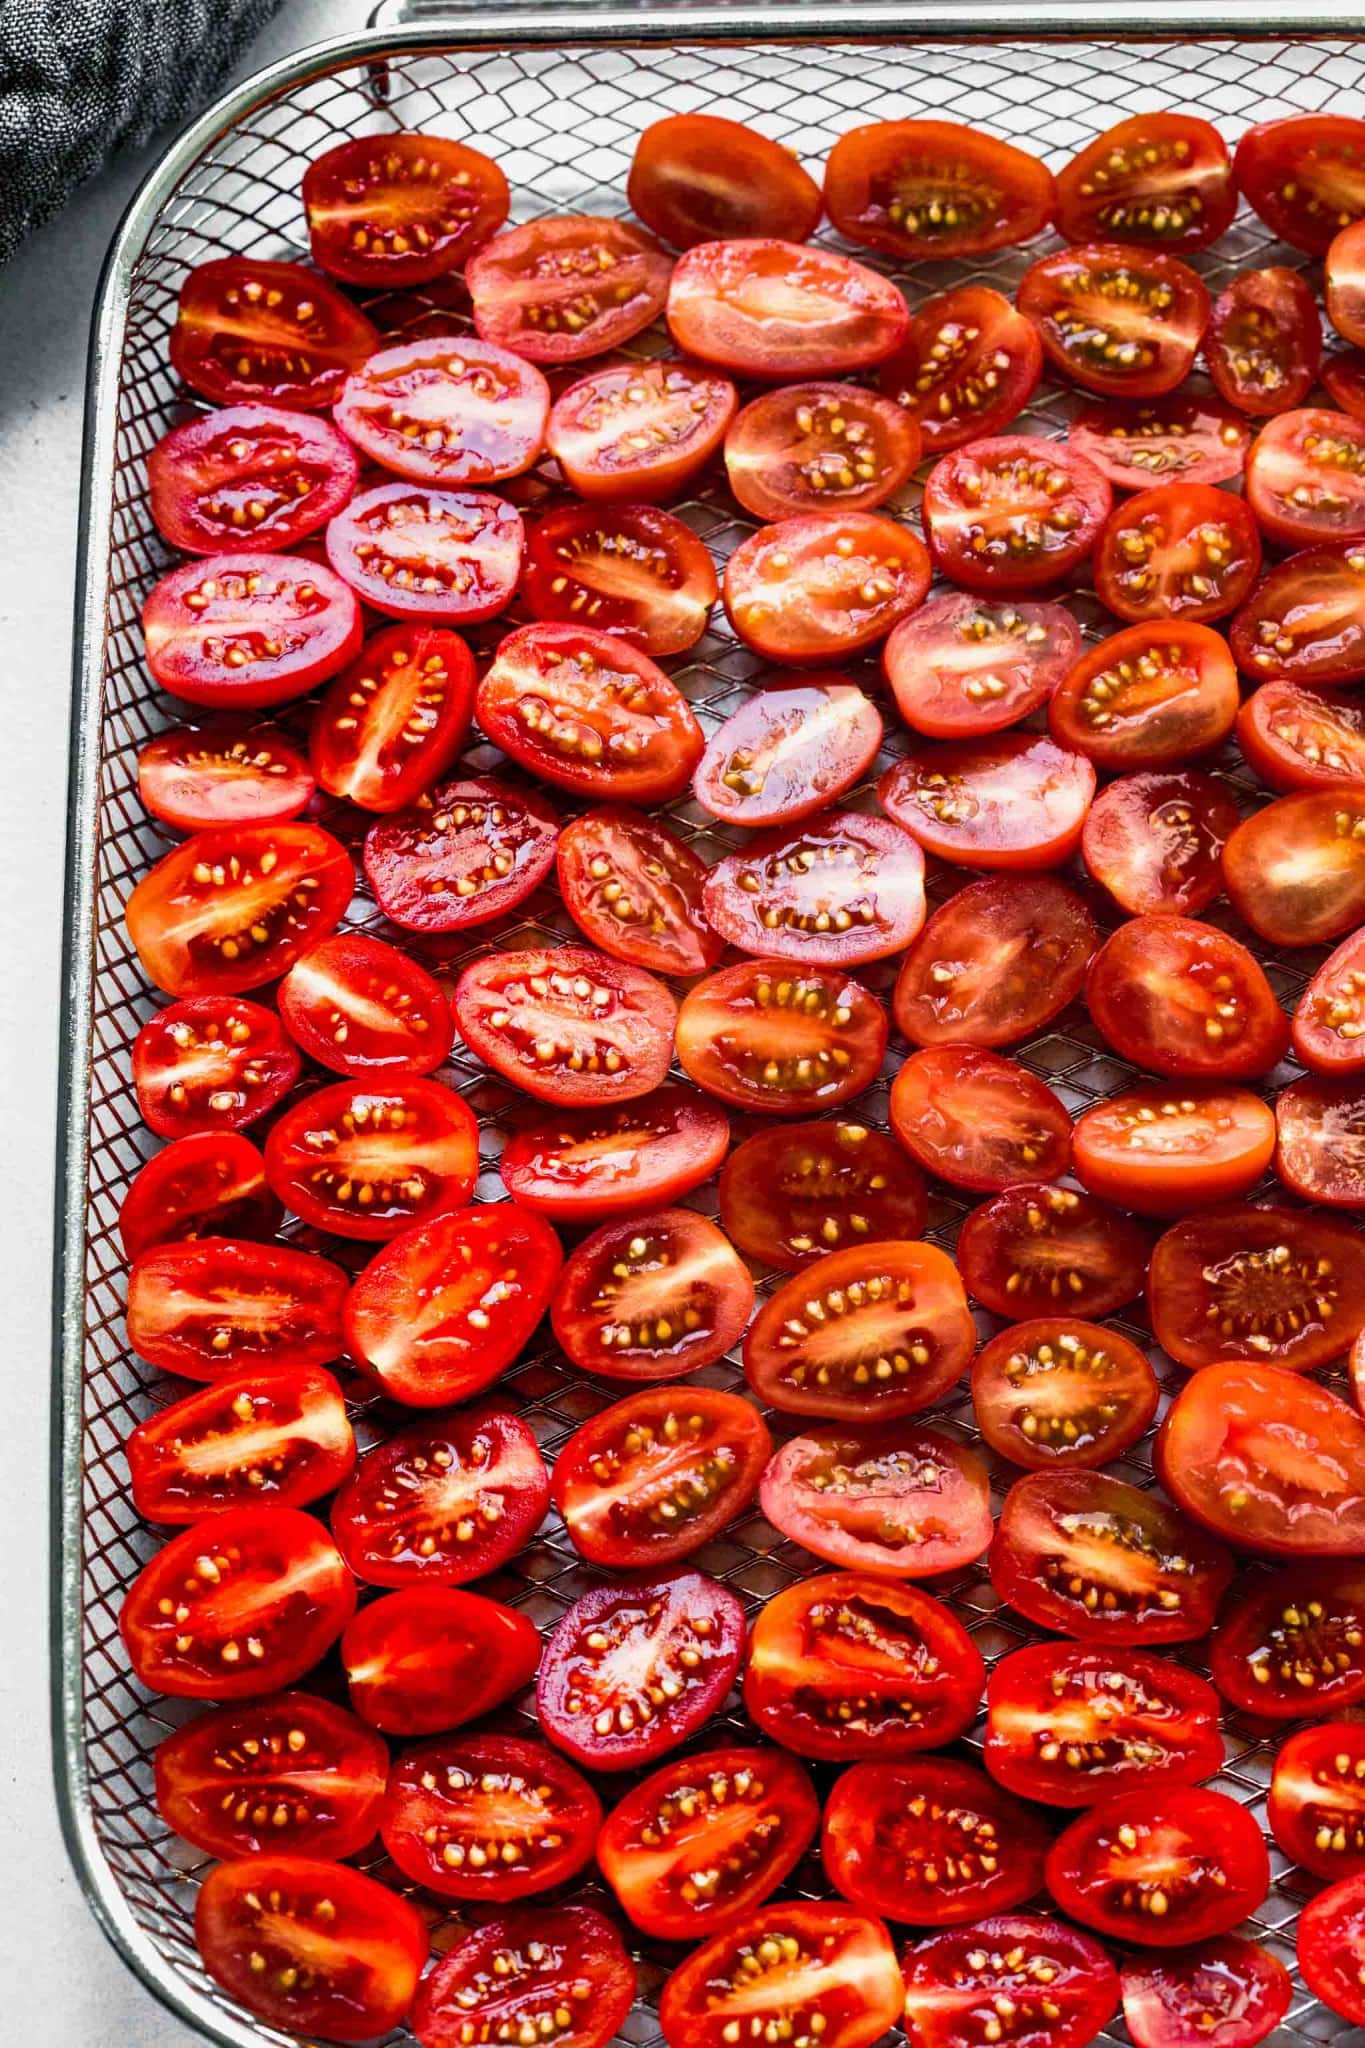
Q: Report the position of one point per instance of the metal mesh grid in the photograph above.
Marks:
(563, 123)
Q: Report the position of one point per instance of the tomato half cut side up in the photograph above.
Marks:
(211, 1063)
(1161, 1870)
(1294, 1643)
(968, 366)
(567, 1025)
(464, 853)
(1155, 840)
(1120, 321)
(787, 751)
(1148, 697)
(1344, 284)
(790, 1195)
(1173, 439)
(400, 208)
(1227, 1991)
(862, 1335)
(899, 1503)
(1264, 341)
(212, 1309)
(779, 310)
(357, 1005)
(432, 1657)
(977, 1120)
(367, 1159)
(251, 477)
(1180, 553)
(952, 1976)
(560, 1972)
(1343, 379)
(1305, 478)
(1270, 1286)
(822, 586)
(1329, 1023)
(1305, 176)
(1305, 621)
(934, 189)
(636, 891)
(819, 447)
(1059, 1391)
(1164, 1150)
(965, 665)
(582, 1166)
(697, 178)
(846, 1665)
(787, 1966)
(449, 558)
(652, 1297)
(839, 889)
(634, 570)
(1157, 181)
(1184, 999)
(446, 410)
(1013, 514)
(211, 1184)
(195, 777)
(1104, 1562)
(488, 1817)
(996, 962)
(1296, 737)
(639, 430)
(1033, 1250)
(1331, 1948)
(1316, 1807)
(567, 286)
(282, 1438)
(241, 631)
(1320, 1147)
(395, 720)
(1008, 800)
(276, 332)
(771, 1037)
(1296, 870)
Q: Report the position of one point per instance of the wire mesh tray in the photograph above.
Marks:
(560, 102)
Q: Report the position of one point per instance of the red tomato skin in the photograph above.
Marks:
(248, 598)
(949, 373)
(945, 699)
(708, 316)
(1034, 937)
(441, 1154)
(1179, 320)
(1184, 196)
(178, 1458)
(790, 1195)
(1083, 1985)
(977, 820)
(761, 190)
(1218, 1835)
(1010, 1374)
(1319, 1121)
(212, 349)
(520, 1967)
(467, 200)
(1331, 1936)
(1316, 453)
(293, 472)
(570, 256)
(846, 1972)
(1329, 1023)
(1343, 379)
(238, 1046)
(1150, 696)
(1296, 869)
(1105, 1253)
(1293, 1643)
(1174, 439)
(313, 999)
(977, 1120)
(1317, 1805)
(1227, 1991)
(624, 545)
(1031, 550)
(641, 1010)
(1305, 621)
(1160, 1176)
(863, 876)
(464, 853)
(1280, 164)
(870, 191)
(1181, 519)
(446, 410)
(1264, 313)
(650, 910)
(1124, 990)
(770, 602)
(1155, 840)
(430, 1658)
(393, 723)
(208, 1275)
(819, 447)
(809, 742)
(476, 585)
(1211, 1261)
(585, 1166)
(603, 1313)
(232, 774)
(929, 1498)
(679, 410)
(415, 1809)
(735, 1012)
(208, 1185)
(878, 1844)
(1296, 737)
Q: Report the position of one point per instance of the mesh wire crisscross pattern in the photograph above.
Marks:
(563, 123)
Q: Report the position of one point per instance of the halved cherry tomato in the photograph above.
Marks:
(636, 1667)
(651, 1478)
(1007, 800)
(567, 286)
(246, 630)
(899, 1503)
(1104, 1562)
(787, 1196)
(1059, 1391)
(590, 713)
(995, 963)
(1161, 1870)
(1227, 1993)
(252, 477)
(1331, 1948)
(968, 366)
(567, 1025)
(293, 1774)
(977, 1120)
(787, 1040)
(446, 1501)
(839, 890)
(245, 329)
(395, 720)
(1158, 181)
(1305, 621)
(952, 1978)
(278, 1437)
(779, 310)
(1122, 321)
(1296, 870)
(787, 1966)
(787, 751)
(1183, 998)
(413, 551)
(195, 777)
(846, 1665)
(640, 430)
(359, 1006)
(1343, 379)
(1329, 1023)
(862, 1335)
(965, 665)
(1316, 1807)
(1305, 176)
(521, 1973)
(1173, 439)
(1155, 840)
(438, 1314)
(1305, 478)
(340, 1954)
(1295, 1644)
(628, 569)
(433, 1657)
(211, 1184)
(369, 1158)
(636, 891)
(446, 410)
(1149, 696)
(930, 1841)
(1296, 737)
(934, 189)
(1163, 1150)
(1033, 1250)
(1180, 552)
(1320, 1152)
(241, 1606)
(1264, 340)
(1070, 1725)
(466, 851)
(1013, 514)
(1271, 1286)
(208, 1310)
(820, 587)
(400, 207)
(695, 178)
(211, 1063)
(652, 1297)
(488, 1817)
(1344, 283)
(817, 447)
(581, 1166)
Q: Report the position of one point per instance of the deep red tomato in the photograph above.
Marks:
(1034, 1249)
(953, 1977)
(1264, 340)
(820, 587)
(966, 665)
(704, 1840)
(446, 557)
(488, 1817)
(846, 1665)
(696, 178)
(567, 286)
(1227, 1993)
(977, 1120)
(996, 962)
(628, 569)
(636, 1667)
(652, 1296)
(1316, 1807)
(400, 207)
(357, 1005)
(1008, 800)
(567, 1025)
(370, 1158)
(1305, 175)
(839, 890)
(1163, 1151)
(1148, 697)
(466, 852)
(1104, 1562)
(1183, 998)
(580, 1166)
(1174, 439)
(1305, 621)
(589, 713)
(545, 1973)
(968, 366)
(651, 1478)
(244, 630)
(934, 189)
(1329, 1023)
(1296, 870)
(1158, 181)
(447, 410)
(250, 477)
(789, 1195)
(1069, 1725)
(818, 447)
(293, 1774)
(640, 430)
(778, 310)
(1297, 737)
(787, 751)
(194, 777)
(1295, 1644)
(1155, 840)
(245, 329)
(1180, 552)
(282, 1438)
(395, 720)
(1344, 283)
(211, 1184)
(1320, 1152)
(433, 1657)
(774, 1038)
(1343, 379)
(208, 1310)
(862, 1335)
(1267, 1285)
(438, 1314)
(241, 1606)
(446, 1501)
(1331, 1947)
(1059, 1391)
(930, 1841)
(339, 1954)
(1305, 478)
(1121, 321)
(1013, 514)
(789, 1967)
(1161, 1870)
(636, 891)
(899, 1503)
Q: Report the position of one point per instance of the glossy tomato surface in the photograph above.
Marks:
(401, 207)
(226, 773)
(978, 1120)
(1299, 737)
(1305, 621)
(620, 568)
(1149, 697)
(1010, 800)
(640, 430)
(1161, 1869)
(1060, 1391)
(822, 586)
(1034, 1249)
(370, 1158)
(488, 1817)
(1320, 1148)
(1294, 1643)
(207, 1310)
(930, 1841)
(1270, 1286)
(788, 1196)
(1179, 552)
(446, 410)
(394, 721)
(1172, 439)
(1155, 840)
(567, 1025)
(566, 286)
(1164, 1150)
(697, 178)
(1329, 1023)
(777, 310)
(1185, 999)
(411, 550)
(1305, 478)
(245, 329)
(583, 1165)
(1013, 514)
(1304, 175)
(433, 1657)
(1316, 1807)
(248, 477)
(467, 851)
(636, 891)
(281, 1437)
(968, 366)
(1345, 283)
(995, 963)
(966, 665)
(1156, 180)
(361, 1007)
(953, 1976)
(789, 749)
(838, 890)
(1296, 870)
(209, 1185)
(790, 1967)
(1331, 1945)
(1121, 321)
(1228, 1992)
(558, 1972)
(819, 447)
(652, 1297)
(1264, 341)
(896, 1502)
(240, 631)
(776, 1038)
(934, 189)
